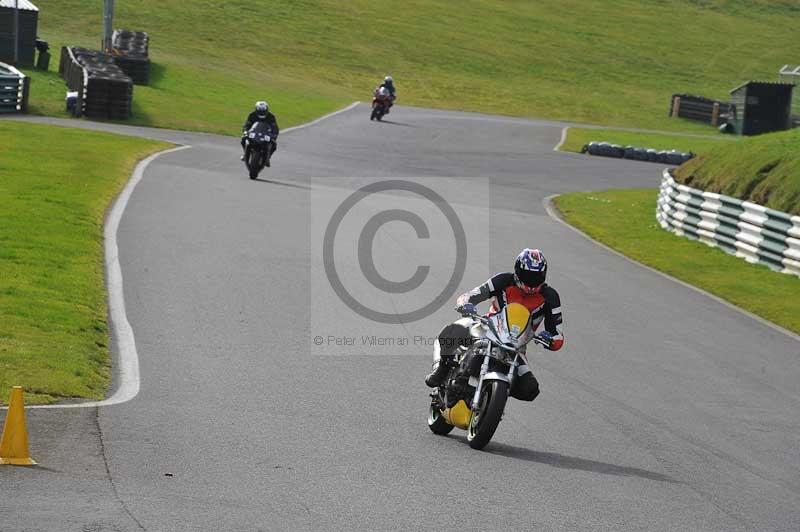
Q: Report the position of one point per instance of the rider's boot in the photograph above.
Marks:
(440, 371)
(455, 390)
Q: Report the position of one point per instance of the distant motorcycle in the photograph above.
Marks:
(381, 102)
(258, 148)
(473, 396)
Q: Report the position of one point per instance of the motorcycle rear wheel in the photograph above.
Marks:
(484, 422)
(436, 422)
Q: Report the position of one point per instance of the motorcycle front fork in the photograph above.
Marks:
(476, 399)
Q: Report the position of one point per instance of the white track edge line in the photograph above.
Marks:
(320, 119)
(129, 381)
(551, 211)
(563, 139)
(128, 358)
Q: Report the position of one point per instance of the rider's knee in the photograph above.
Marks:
(525, 388)
(453, 336)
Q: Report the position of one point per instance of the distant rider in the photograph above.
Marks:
(261, 114)
(388, 84)
(525, 285)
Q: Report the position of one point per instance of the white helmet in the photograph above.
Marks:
(388, 79)
(262, 108)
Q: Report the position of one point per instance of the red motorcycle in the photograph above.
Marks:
(381, 102)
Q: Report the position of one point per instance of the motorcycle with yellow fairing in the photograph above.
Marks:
(473, 395)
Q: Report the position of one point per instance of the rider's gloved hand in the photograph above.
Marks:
(467, 308)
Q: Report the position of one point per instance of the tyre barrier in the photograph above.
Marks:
(14, 90)
(748, 230)
(604, 149)
(131, 54)
(103, 90)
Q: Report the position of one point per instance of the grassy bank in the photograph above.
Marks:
(763, 169)
(615, 62)
(578, 137)
(625, 220)
(53, 326)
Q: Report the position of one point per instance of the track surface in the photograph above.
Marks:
(665, 410)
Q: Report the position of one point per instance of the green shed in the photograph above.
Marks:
(761, 107)
(28, 22)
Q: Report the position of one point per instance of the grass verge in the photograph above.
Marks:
(764, 169)
(625, 221)
(53, 311)
(577, 137)
(615, 62)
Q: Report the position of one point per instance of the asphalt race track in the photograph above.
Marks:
(666, 410)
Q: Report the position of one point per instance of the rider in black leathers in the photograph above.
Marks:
(261, 114)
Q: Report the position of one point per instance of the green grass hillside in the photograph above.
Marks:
(53, 329)
(764, 169)
(614, 62)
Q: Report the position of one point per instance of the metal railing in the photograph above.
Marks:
(14, 89)
(741, 228)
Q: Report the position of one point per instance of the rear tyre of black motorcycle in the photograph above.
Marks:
(482, 424)
(437, 423)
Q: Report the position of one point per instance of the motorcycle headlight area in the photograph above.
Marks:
(504, 356)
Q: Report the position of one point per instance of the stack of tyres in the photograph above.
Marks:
(104, 90)
(634, 153)
(131, 54)
(604, 149)
(137, 68)
(676, 157)
(108, 96)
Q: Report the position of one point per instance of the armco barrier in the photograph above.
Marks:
(742, 228)
(14, 88)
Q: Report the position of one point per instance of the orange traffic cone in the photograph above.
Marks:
(14, 443)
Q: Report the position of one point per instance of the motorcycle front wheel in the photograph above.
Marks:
(253, 163)
(485, 420)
